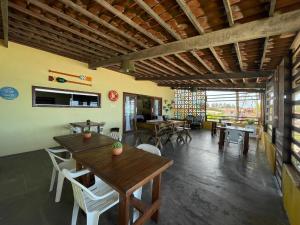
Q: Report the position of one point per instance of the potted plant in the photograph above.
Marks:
(87, 134)
(117, 148)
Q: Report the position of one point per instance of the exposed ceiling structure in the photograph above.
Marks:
(176, 43)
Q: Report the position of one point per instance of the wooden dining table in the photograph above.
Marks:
(125, 173)
(246, 132)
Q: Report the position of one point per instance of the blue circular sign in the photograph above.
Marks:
(9, 93)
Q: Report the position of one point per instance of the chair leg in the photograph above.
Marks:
(75, 213)
(92, 219)
(52, 179)
(60, 183)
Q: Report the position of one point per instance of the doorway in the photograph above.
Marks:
(139, 108)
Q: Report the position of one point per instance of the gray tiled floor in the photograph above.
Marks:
(203, 187)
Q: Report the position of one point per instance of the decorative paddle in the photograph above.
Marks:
(63, 80)
(81, 77)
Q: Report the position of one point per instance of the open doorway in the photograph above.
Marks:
(139, 108)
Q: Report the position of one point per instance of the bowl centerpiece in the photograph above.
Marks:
(117, 148)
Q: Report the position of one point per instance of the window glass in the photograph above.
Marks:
(296, 149)
(296, 122)
(296, 109)
(296, 163)
(64, 98)
(296, 96)
(296, 135)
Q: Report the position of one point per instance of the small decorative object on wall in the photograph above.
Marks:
(113, 95)
(81, 77)
(9, 93)
(117, 148)
(63, 80)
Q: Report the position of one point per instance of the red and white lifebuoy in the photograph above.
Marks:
(113, 95)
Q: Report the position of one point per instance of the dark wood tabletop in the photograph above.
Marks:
(84, 124)
(76, 142)
(126, 172)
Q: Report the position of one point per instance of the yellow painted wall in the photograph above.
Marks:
(26, 128)
(269, 149)
(291, 198)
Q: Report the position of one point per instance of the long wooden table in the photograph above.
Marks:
(125, 173)
(242, 129)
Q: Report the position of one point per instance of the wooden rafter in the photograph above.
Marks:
(238, 75)
(82, 25)
(65, 28)
(241, 86)
(159, 20)
(231, 23)
(95, 49)
(271, 13)
(72, 46)
(186, 9)
(4, 19)
(109, 26)
(278, 24)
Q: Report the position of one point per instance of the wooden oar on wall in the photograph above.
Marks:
(63, 80)
(81, 77)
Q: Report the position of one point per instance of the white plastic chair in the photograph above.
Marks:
(236, 137)
(94, 200)
(66, 163)
(138, 193)
(252, 127)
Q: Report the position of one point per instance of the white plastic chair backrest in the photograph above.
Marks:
(78, 189)
(54, 158)
(234, 135)
(160, 118)
(115, 135)
(75, 130)
(150, 148)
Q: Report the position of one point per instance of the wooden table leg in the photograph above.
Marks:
(222, 138)
(156, 195)
(246, 143)
(124, 210)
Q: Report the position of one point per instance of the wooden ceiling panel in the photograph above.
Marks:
(283, 6)
(277, 47)
(90, 30)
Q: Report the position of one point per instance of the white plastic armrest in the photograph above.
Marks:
(80, 173)
(90, 194)
(55, 151)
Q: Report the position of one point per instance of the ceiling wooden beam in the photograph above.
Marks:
(230, 19)
(238, 75)
(278, 24)
(188, 12)
(249, 90)
(4, 19)
(271, 13)
(127, 20)
(59, 39)
(169, 29)
(80, 24)
(65, 28)
(223, 86)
